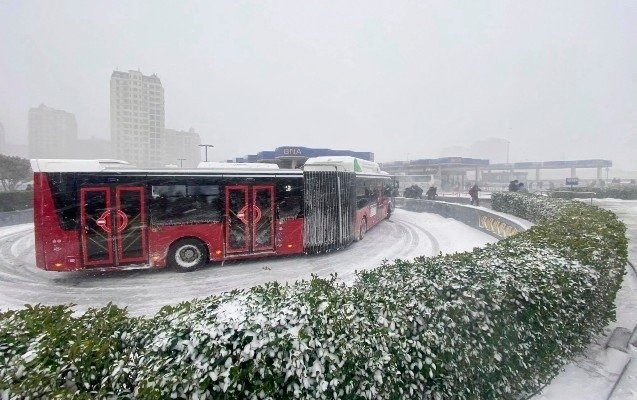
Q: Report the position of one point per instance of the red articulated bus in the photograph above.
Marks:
(107, 214)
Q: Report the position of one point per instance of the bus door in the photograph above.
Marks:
(113, 225)
(249, 219)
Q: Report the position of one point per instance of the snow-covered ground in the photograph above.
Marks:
(405, 236)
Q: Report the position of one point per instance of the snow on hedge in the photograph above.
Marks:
(498, 322)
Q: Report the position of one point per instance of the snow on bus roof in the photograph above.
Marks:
(66, 165)
(224, 165)
(342, 163)
(106, 165)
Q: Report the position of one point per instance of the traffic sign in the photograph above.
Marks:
(572, 181)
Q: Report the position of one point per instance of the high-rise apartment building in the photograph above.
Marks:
(52, 133)
(182, 148)
(137, 118)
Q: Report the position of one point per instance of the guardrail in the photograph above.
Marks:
(486, 220)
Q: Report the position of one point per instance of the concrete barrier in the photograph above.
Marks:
(484, 201)
(16, 217)
(491, 222)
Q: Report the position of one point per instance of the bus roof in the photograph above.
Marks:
(65, 165)
(342, 163)
(223, 165)
(326, 163)
(107, 165)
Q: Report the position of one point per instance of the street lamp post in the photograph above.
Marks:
(181, 162)
(206, 147)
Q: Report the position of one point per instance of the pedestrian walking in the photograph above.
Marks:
(432, 193)
(473, 192)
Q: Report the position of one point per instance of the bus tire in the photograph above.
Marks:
(389, 207)
(187, 255)
(363, 229)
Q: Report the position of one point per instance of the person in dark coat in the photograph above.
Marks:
(431, 193)
(521, 187)
(417, 192)
(413, 192)
(473, 192)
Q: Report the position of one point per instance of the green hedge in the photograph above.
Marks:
(14, 201)
(498, 322)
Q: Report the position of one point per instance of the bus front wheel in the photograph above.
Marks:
(363, 229)
(187, 255)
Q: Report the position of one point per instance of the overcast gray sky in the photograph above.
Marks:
(398, 78)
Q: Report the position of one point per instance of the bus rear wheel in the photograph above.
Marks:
(363, 229)
(187, 255)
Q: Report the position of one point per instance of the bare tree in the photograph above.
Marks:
(13, 171)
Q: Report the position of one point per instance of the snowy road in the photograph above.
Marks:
(144, 292)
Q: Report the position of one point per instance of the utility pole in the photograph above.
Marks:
(206, 146)
(181, 162)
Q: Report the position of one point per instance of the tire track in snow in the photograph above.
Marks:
(432, 239)
(15, 262)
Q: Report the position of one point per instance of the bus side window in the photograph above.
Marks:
(207, 199)
(289, 199)
(363, 193)
(163, 204)
(289, 207)
(387, 190)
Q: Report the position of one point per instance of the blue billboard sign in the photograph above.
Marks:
(306, 152)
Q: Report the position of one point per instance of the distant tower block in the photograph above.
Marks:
(52, 133)
(137, 118)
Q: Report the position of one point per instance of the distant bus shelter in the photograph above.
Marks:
(449, 173)
(574, 165)
(456, 173)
